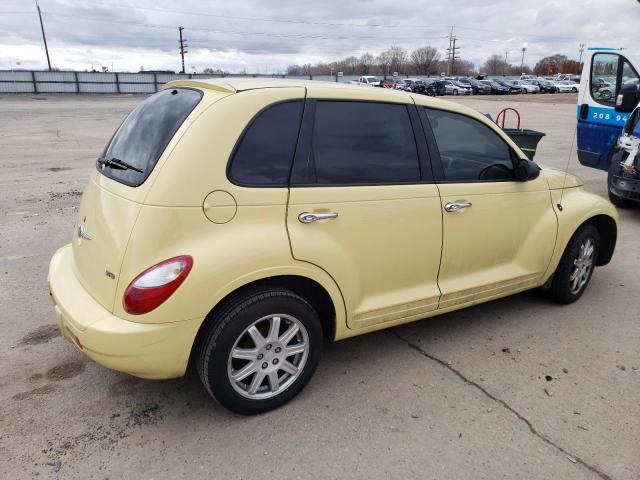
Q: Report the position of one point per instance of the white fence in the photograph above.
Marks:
(23, 81)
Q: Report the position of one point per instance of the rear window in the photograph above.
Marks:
(145, 133)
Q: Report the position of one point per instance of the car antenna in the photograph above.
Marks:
(566, 168)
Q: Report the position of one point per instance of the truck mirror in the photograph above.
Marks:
(628, 98)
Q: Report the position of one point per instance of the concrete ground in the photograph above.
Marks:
(516, 388)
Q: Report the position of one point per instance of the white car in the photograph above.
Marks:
(526, 87)
(458, 88)
(566, 86)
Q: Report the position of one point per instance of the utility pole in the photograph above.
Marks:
(524, 49)
(452, 53)
(183, 47)
(44, 38)
(582, 45)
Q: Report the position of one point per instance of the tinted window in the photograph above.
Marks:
(469, 150)
(363, 143)
(145, 133)
(266, 150)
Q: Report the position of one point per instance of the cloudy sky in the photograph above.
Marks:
(262, 36)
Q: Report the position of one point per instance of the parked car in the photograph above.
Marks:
(496, 88)
(526, 86)
(388, 83)
(565, 87)
(441, 87)
(545, 86)
(475, 86)
(405, 84)
(213, 241)
(456, 88)
(424, 87)
(573, 87)
(509, 86)
(367, 80)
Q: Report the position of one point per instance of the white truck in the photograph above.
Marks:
(367, 80)
(608, 120)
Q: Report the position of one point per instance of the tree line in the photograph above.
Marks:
(428, 61)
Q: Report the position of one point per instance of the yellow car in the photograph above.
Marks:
(234, 224)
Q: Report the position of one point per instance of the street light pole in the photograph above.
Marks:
(524, 49)
(44, 38)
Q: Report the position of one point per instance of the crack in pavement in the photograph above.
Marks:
(520, 417)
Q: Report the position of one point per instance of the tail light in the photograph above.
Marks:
(156, 284)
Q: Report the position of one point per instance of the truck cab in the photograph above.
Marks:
(367, 80)
(608, 95)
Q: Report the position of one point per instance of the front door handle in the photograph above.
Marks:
(584, 110)
(308, 217)
(455, 206)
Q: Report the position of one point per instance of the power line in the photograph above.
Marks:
(240, 32)
(330, 24)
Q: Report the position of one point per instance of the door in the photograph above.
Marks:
(498, 233)
(363, 207)
(599, 125)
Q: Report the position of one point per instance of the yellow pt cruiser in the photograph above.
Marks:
(237, 223)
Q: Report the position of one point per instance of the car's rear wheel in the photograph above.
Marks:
(260, 350)
(576, 265)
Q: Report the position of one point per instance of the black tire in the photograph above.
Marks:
(228, 325)
(560, 289)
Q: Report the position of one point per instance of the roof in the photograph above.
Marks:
(233, 85)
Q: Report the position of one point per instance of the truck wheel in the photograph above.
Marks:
(576, 265)
(260, 350)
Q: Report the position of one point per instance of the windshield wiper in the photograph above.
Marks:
(117, 164)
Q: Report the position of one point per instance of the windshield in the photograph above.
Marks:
(138, 143)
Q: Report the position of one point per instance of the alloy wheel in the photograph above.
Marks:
(268, 356)
(583, 264)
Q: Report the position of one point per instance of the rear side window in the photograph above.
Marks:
(363, 143)
(469, 150)
(145, 133)
(265, 152)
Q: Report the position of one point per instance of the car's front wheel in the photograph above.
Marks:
(260, 350)
(576, 265)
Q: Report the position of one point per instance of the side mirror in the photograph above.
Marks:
(628, 98)
(527, 170)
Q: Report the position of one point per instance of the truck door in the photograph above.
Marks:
(604, 72)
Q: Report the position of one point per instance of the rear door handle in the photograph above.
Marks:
(308, 217)
(455, 206)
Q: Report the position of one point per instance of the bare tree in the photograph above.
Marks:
(425, 60)
(367, 63)
(398, 59)
(384, 61)
(465, 67)
(495, 65)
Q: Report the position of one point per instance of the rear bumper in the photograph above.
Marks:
(156, 351)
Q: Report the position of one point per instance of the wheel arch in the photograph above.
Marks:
(325, 299)
(608, 232)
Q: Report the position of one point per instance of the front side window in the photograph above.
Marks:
(264, 155)
(138, 143)
(604, 71)
(360, 143)
(469, 150)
